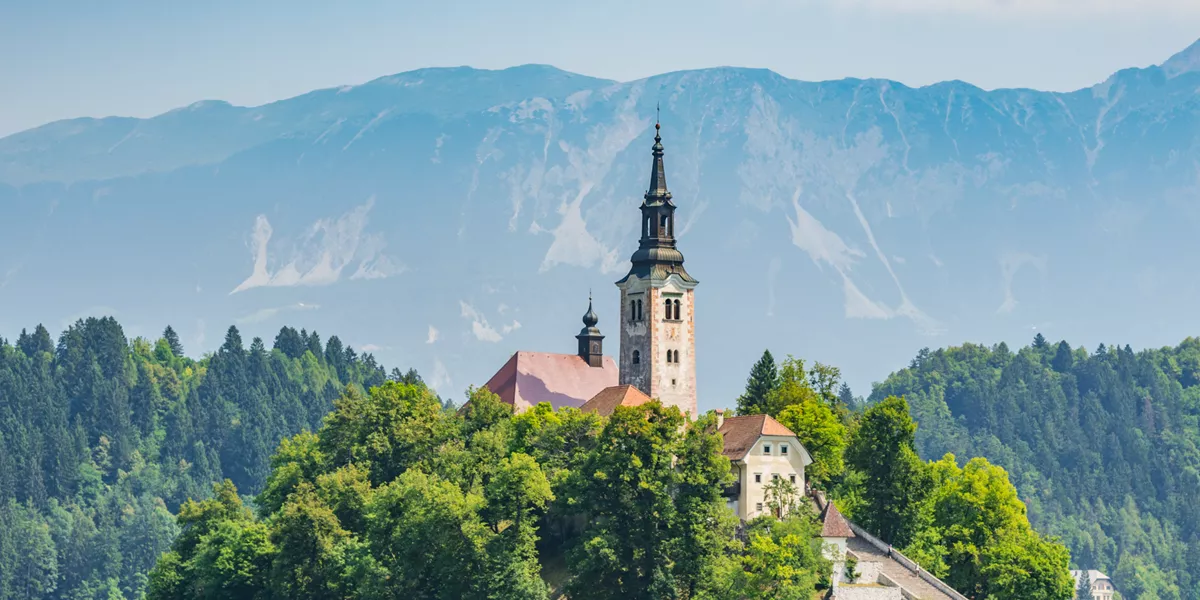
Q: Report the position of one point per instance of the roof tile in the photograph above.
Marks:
(605, 402)
(529, 378)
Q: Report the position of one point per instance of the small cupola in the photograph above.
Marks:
(591, 343)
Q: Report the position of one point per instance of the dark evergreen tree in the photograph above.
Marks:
(290, 342)
(764, 378)
(313, 344)
(1039, 341)
(173, 342)
(1064, 358)
(33, 345)
(1084, 590)
(846, 397)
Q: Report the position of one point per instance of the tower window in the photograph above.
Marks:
(639, 310)
(668, 356)
(676, 359)
(632, 311)
(667, 305)
(676, 310)
(662, 229)
(637, 357)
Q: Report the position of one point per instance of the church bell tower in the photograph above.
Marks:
(658, 345)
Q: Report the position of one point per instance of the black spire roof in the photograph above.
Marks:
(589, 318)
(658, 174)
(591, 347)
(657, 257)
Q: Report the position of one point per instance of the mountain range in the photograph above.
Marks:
(445, 218)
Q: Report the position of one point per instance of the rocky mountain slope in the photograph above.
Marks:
(447, 217)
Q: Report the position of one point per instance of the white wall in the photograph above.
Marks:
(756, 461)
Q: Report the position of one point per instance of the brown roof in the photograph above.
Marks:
(529, 378)
(833, 524)
(741, 433)
(610, 398)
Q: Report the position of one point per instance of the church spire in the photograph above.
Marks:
(656, 256)
(658, 175)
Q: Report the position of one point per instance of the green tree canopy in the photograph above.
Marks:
(764, 377)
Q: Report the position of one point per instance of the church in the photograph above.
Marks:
(657, 356)
(657, 359)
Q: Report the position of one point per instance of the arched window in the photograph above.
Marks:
(668, 356)
(662, 226)
(632, 310)
(637, 357)
(667, 306)
(676, 361)
(639, 310)
(676, 310)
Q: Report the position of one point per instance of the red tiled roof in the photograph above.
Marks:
(605, 402)
(529, 378)
(741, 433)
(833, 524)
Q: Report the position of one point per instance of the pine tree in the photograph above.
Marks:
(1084, 590)
(846, 397)
(1039, 341)
(1063, 358)
(764, 378)
(290, 342)
(173, 341)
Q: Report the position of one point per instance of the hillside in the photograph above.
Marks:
(1103, 446)
(102, 439)
(855, 220)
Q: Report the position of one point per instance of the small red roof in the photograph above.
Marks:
(529, 378)
(610, 398)
(833, 524)
(741, 433)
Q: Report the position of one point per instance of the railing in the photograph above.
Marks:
(906, 562)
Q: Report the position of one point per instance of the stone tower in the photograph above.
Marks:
(658, 343)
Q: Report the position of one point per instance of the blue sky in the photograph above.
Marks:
(139, 58)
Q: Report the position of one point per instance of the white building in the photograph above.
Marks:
(1102, 586)
(762, 450)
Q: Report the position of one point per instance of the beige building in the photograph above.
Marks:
(1102, 586)
(762, 450)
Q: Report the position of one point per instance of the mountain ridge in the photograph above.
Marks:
(825, 216)
(1184, 62)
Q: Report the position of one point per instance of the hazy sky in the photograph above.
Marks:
(67, 58)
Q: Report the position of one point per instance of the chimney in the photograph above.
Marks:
(720, 417)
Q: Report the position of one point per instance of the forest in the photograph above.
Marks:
(103, 439)
(307, 471)
(1102, 446)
